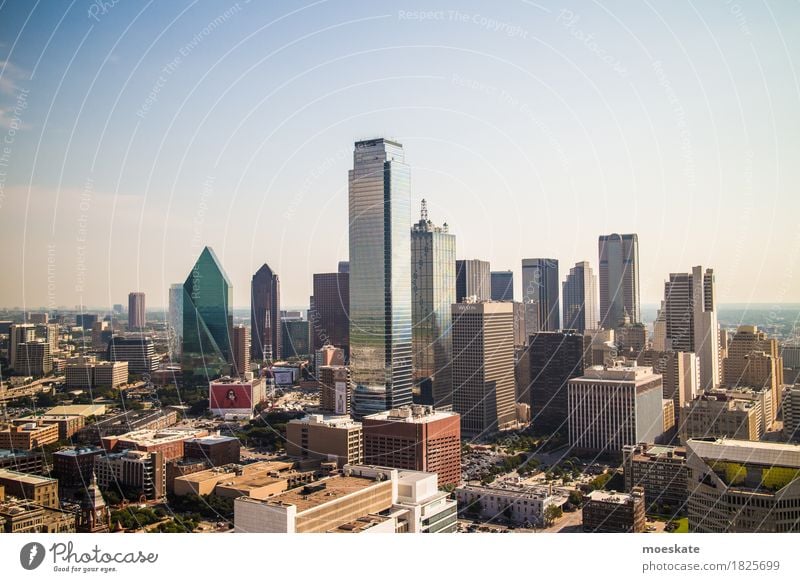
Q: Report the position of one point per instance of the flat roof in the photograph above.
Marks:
(740, 451)
(411, 415)
(80, 409)
(8, 453)
(336, 487)
(212, 439)
(610, 497)
(74, 452)
(26, 477)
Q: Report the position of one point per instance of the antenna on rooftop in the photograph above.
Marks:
(423, 215)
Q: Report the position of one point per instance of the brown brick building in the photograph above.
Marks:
(416, 438)
(612, 512)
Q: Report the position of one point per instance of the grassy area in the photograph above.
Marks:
(683, 525)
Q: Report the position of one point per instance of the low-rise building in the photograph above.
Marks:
(30, 435)
(329, 438)
(613, 512)
(26, 517)
(35, 488)
(217, 450)
(335, 389)
(519, 504)
(21, 461)
(360, 499)
(169, 441)
(84, 410)
(87, 372)
(68, 424)
(661, 471)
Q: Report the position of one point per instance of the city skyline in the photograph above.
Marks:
(149, 180)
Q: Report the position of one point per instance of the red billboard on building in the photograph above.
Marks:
(231, 397)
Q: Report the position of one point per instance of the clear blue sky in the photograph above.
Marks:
(137, 132)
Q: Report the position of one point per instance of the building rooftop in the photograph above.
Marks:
(9, 453)
(146, 437)
(212, 439)
(26, 477)
(751, 452)
(618, 373)
(77, 451)
(413, 414)
(329, 421)
(610, 497)
(321, 492)
(81, 409)
(529, 491)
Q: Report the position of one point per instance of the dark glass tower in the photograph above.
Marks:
(380, 271)
(330, 312)
(265, 316)
(555, 358)
(502, 286)
(207, 318)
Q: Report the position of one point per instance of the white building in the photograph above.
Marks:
(520, 504)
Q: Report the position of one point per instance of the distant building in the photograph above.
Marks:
(86, 372)
(136, 311)
(33, 358)
(502, 285)
(31, 435)
(68, 424)
(742, 486)
(22, 461)
(540, 285)
(483, 366)
(241, 350)
(19, 333)
(681, 375)
(328, 438)
(236, 398)
(473, 279)
(791, 413)
(661, 471)
(167, 442)
(753, 359)
(580, 298)
(721, 415)
(612, 512)
(295, 338)
(416, 438)
(362, 499)
(139, 351)
(74, 467)
(330, 313)
(610, 407)
(38, 318)
(26, 517)
(175, 321)
(619, 279)
(265, 315)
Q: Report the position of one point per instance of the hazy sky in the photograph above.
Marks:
(135, 133)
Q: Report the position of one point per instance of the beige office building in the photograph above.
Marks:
(329, 438)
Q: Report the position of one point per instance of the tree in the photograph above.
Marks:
(576, 498)
(552, 513)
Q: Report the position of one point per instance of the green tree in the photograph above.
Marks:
(552, 513)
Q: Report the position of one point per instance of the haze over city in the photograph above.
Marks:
(529, 129)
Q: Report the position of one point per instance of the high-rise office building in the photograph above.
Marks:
(175, 321)
(680, 372)
(554, 359)
(33, 358)
(611, 407)
(265, 315)
(295, 338)
(330, 311)
(433, 292)
(343, 267)
(38, 318)
(540, 284)
(502, 285)
(136, 313)
(690, 314)
(473, 279)
(207, 318)
(138, 350)
(380, 271)
(753, 360)
(19, 333)
(483, 366)
(619, 279)
(241, 350)
(580, 298)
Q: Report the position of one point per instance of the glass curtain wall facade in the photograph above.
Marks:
(175, 323)
(433, 291)
(380, 270)
(207, 318)
(265, 315)
(540, 285)
(619, 279)
(580, 296)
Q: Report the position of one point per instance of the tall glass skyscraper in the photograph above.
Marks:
(580, 298)
(433, 291)
(619, 279)
(380, 270)
(265, 315)
(207, 318)
(540, 285)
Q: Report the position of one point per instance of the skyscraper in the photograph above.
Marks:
(619, 279)
(265, 315)
(19, 333)
(241, 350)
(330, 311)
(555, 358)
(502, 285)
(473, 278)
(580, 297)
(483, 366)
(207, 318)
(540, 284)
(175, 321)
(380, 271)
(433, 291)
(691, 320)
(136, 316)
